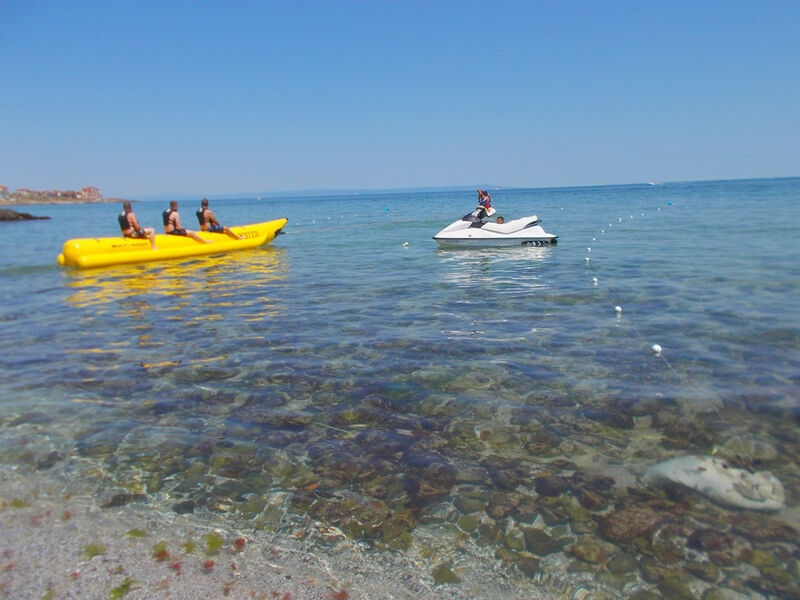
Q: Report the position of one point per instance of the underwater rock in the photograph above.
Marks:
(611, 418)
(524, 561)
(184, 507)
(502, 503)
(383, 442)
(718, 593)
(753, 450)
(720, 482)
(624, 525)
(590, 500)
(589, 550)
(119, 498)
(552, 486)
(622, 563)
(644, 595)
(431, 483)
(541, 543)
(723, 549)
(776, 583)
(48, 461)
(675, 588)
(703, 570)
(762, 528)
(444, 574)
(471, 500)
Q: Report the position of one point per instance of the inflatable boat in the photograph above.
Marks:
(86, 253)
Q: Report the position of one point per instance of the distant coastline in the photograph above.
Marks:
(89, 194)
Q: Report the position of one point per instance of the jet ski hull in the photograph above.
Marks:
(470, 233)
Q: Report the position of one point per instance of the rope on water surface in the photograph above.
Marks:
(656, 348)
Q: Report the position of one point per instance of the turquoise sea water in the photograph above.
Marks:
(352, 374)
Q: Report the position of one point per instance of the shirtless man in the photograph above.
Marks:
(172, 224)
(130, 227)
(208, 222)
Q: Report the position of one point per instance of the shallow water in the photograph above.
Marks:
(410, 396)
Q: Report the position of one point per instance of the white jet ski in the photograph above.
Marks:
(473, 230)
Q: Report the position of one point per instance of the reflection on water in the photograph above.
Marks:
(221, 280)
(496, 255)
(511, 270)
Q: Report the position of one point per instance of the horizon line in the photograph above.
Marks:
(316, 192)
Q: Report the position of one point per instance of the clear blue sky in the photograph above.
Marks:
(146, 97)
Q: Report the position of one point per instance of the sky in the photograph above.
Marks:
(149, 97)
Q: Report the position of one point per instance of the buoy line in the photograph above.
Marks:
(657, 350)
(316, 225)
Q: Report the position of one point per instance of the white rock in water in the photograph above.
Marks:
(720, 482)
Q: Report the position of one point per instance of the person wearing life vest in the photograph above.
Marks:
(484, 208)
(130, 227)
(208, 222)
(485, 200)
(172, 224)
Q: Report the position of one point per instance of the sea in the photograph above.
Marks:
(353, 383)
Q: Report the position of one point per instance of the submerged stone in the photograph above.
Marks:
(184, 507)
(444, 574)
(552, 486)
(541, 543)
(720, 482)
(622, 563)
(589, 550)
(675, 588)
(114, 499)
(626, 524)
(703, 570)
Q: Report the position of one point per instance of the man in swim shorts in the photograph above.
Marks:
(130, 227)
(208, 222)
(172, 224)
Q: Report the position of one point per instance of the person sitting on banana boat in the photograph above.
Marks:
(172, 224)
(130, 227)
(208, 222)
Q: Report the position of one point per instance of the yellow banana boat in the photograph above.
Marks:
(86, 253)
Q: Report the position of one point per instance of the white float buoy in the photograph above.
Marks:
(587, 259)
(603, 231)
(405, 244)
(656, 349)
(588, 249)
(618, 309)
(594, 239)
(594, 280)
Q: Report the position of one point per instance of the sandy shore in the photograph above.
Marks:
(56, 545)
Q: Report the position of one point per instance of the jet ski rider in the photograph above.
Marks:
(483, 210)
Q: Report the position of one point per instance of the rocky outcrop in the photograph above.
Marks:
(6, 214)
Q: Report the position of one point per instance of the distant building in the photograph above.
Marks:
(3, 190)
(91, 194)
